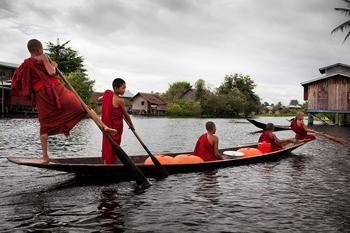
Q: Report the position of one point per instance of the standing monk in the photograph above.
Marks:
(113, 112)
(207, 144)
(59, 110)
(300, 129)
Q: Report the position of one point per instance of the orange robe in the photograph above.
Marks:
(300, 132)
(204, 149)
(113, 118)
(58, 108)
(269, 137)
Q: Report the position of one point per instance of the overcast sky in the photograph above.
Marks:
(152, 43)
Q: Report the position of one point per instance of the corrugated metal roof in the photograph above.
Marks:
(324, 77)
(152, 98)
(323, 69)
(9, 65)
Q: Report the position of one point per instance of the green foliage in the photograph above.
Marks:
(200, 89)
(71, 65)
(184, 108)
(176, 90)
(67, 58)
(237, 91)
(234, 97)
(346, 25)
(82, 85)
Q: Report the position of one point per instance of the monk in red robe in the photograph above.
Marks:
(270, 137)
(207, 144)
(300, 129)
(113, 112)
(58, 108)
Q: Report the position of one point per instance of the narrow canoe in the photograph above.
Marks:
(261, 125)
(93, 166)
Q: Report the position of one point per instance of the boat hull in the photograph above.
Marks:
(262, 126)
(93, 166)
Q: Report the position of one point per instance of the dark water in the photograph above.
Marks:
(308, 191)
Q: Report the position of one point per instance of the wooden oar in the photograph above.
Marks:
(331, 137)
(124, 158)
(162, 172)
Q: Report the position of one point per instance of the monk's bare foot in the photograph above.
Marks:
(45, 160)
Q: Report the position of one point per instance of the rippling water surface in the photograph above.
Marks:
(308, 191)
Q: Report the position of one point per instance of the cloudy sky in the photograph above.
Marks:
(152, 43)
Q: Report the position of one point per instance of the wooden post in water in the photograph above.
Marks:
(310, 119)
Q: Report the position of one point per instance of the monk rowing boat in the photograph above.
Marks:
(261, 125)
(93, 166)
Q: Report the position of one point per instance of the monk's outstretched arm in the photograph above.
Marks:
(306, 128)
(280, 142)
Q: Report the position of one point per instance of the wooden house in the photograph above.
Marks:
(148, 104)
(12, 105)
(330, 93)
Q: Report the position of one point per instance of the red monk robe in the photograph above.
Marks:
(269, 137)
(58, 108)
(300, 132)
(204, 149)
(113, 118)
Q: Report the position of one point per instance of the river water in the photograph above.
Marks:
(308, 191)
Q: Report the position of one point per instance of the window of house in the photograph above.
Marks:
(142, 102)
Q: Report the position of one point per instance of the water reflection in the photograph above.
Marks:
(110, 211)
(208, 188)
(308, 190)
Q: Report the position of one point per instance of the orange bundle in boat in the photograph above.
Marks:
(163, 159)
(248, 151)
(187, 158)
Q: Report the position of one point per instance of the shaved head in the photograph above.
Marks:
(210, 125)
(34, 45)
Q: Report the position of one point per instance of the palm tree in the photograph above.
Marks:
(342, 27)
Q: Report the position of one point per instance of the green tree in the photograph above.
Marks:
(68, 59)
(346, 25)
(82, 85)
(187, 108)
(240, 87)
(200, 89)
(176, 90)
(71, 64)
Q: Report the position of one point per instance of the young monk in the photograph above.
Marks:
(113, 112)
(207, 144)
(58, 108)
(270, 137)
(300, 129)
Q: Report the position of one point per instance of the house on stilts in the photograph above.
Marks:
(329, 93)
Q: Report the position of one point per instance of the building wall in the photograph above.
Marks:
(330, 94)
(137, 104)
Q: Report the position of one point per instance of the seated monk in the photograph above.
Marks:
(270, 137)
(59, 110)
(207, 144)
(300, 129)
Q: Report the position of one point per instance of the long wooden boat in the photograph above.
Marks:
(261, 125)
(93, 166)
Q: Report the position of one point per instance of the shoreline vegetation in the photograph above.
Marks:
(234, 98)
